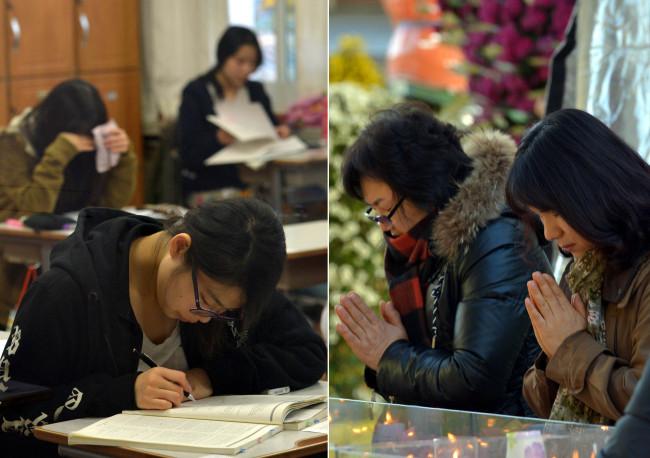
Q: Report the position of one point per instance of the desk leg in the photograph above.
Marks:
(45, 257)
(276, 187)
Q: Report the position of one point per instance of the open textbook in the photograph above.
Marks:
(218, 424)
(257, 140)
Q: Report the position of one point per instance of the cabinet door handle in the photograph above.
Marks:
(15, 31)
(85, 29)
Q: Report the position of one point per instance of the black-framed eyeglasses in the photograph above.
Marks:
(381, 219)
(231, 315)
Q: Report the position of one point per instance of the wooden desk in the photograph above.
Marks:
(306, 251)
(290, 444)
(26, 246)
(307, 261)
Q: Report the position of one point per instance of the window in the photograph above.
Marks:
(274, 22)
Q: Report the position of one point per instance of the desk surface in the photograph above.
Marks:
(306, 239)
(286, 443)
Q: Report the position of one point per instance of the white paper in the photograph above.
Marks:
(245, 122)
(257, 152)
(104, 159)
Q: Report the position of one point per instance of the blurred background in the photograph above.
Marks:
(477, 63)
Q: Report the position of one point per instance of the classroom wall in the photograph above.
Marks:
(179, 41)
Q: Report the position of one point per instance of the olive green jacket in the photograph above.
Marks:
(29, 185)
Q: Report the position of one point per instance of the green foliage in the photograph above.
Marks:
(356, 246)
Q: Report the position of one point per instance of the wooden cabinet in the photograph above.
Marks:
(27, 92)
(46, 42)
(107, 36)
(39, 37)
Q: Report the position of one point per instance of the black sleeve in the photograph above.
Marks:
(284, 350)
(52, 344)
(491, 325)
(197, 137)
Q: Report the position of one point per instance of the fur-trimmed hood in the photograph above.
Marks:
(480, 198)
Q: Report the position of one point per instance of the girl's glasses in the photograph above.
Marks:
(230, 315)
(381, 219)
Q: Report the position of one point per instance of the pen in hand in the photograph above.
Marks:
(151, 363)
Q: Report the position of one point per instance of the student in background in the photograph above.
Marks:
(48, 163)
(197, 294)
(456, 334)
(591, 191)
(238, 55)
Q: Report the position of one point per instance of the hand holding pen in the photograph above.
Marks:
(155, 388)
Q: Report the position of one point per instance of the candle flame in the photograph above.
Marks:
(409, 456)
(456, 453)
(430, 455)
(329, 416)
(452, 438)
(490, 422)
(576, 454)
(389, 418)
(593, 454)
(356, 430)
(604, 428)
(410, 434)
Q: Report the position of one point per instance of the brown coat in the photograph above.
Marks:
(604, 378)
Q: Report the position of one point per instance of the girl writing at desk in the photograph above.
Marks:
(197, 294)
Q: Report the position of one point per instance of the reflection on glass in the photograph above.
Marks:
(360, 428)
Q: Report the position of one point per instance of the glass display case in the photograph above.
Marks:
(359, 428)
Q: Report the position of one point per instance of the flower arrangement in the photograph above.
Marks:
(356, 247)
(352, 63)
(507, 44)
(307, 112)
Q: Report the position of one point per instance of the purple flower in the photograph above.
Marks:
(488, 11)
(560, 19)
(534, 20)
(522, 48)
(510, 10)
(546, 3)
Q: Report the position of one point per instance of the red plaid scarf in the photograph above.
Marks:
(405, 258)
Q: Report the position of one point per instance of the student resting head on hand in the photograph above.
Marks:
(48, 162)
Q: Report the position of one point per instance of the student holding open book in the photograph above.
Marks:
(196, 293)
(238, 55)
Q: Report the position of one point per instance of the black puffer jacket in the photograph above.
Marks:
(480, 261)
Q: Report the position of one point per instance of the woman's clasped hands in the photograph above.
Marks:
(367, 334)
(553, 317)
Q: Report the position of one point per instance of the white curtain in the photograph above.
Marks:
(178, 43)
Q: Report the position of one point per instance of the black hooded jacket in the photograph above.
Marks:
(75, 331)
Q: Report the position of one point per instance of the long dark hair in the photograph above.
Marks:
(415, 154)
(573, 164)
(238, 242)
(232, 39)
(72, 106)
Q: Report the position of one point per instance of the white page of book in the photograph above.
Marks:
(244, 121)
(305, 413)
(256, 152)
(268, 409)
(169, 433)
